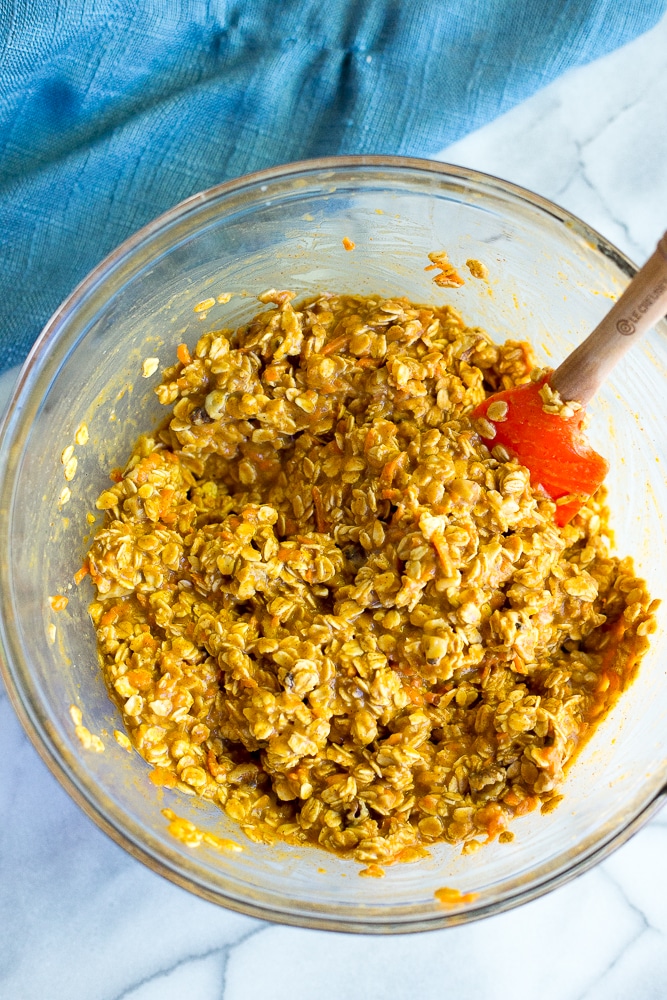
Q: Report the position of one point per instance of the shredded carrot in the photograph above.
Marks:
(183, 354)
(526, 805)
(492, 818)
(140, 678)
(390, 469)
(442, 550)
(111, 615)
(81, 573)
(162, 777)
(336, 344)
(373, 870)
(452, 897)
(409, 854)
(320, 517)
(398, 513)
(290, 555)
(449, 276)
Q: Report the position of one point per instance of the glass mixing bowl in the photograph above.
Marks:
(550, 280)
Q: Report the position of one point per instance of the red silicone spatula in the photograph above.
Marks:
(552, 446)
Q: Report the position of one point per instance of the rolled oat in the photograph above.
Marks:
(324, 604)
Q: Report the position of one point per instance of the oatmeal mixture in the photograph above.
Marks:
(324, 604)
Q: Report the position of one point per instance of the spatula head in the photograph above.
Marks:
(553, 448)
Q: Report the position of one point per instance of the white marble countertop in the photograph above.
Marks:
(81, 919)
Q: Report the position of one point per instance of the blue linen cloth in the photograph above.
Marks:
(111, 111)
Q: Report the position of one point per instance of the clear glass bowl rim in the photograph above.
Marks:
(35, 722)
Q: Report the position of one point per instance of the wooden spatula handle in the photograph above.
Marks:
(640, 306)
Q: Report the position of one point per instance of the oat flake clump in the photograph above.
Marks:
(324, 604)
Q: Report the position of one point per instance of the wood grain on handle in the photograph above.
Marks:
(640, 306)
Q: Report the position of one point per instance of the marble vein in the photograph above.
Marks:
(608, 108)
(643, 928)
(580, 171)
(230, 951)
(587, 919)
(138, 991)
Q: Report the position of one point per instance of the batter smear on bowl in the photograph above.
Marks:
(325, 603)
